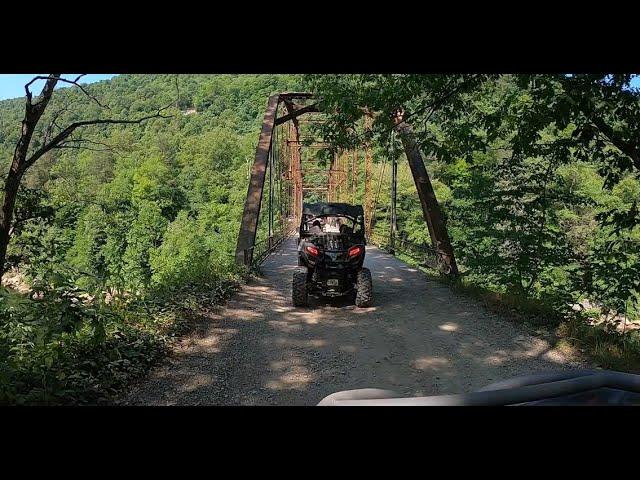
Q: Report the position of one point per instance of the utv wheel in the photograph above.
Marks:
(299, 288)
(364, 297)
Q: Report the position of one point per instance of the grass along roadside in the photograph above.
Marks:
(58, 348)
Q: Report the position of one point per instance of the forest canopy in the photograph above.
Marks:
(537, 174)
(139, 219)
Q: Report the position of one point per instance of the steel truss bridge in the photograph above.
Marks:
(292, 166)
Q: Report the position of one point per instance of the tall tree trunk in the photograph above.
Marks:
(11, 186)
(33, 113)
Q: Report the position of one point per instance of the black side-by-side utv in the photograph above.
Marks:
(331, 250)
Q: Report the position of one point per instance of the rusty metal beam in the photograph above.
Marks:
(296, 113)
(251, 213)
(296, 157)
(354, 175)
(321, 170)
(368, 166)
(313, 145)
(292, 95)
(428, 201)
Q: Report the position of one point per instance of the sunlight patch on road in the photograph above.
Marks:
(243, 313)
(311, 343)
(429, 363)
(283, 309)
(286, 327)
(348, 348)
(497, 358)
(293, 377)
(195, 381)
(213, 342)
(363, 310)
(449, 327)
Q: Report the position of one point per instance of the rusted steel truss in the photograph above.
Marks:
(430, 207)
(284, 164)
(253, 202)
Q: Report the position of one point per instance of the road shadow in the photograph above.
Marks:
(419, 338)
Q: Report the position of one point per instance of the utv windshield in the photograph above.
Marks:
(330, 224)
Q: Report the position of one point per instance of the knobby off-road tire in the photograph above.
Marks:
(364, 287)
(299, 292)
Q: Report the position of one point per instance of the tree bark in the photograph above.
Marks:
(33, 113)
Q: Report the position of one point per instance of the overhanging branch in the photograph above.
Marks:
(55, 141)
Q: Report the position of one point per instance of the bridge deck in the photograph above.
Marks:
(418, 339)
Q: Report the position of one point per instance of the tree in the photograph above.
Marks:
(394, 101)
(53, 137)
(516, 222)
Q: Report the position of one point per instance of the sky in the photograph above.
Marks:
(12, 84)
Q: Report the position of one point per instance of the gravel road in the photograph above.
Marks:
(418, 339)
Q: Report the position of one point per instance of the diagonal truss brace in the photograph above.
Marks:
(251, 213)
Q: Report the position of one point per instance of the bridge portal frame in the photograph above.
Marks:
(251, 213)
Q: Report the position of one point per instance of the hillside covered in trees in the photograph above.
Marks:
(120, 236)
(138, 214)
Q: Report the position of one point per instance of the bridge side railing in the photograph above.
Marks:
(256, 254)
(424, 255)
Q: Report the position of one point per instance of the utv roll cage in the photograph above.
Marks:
(345, 209)
(311, 211)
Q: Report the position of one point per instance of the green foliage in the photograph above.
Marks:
(538, 175)
(125, 238)
(65, 346)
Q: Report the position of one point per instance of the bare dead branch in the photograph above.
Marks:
(80, 143)
(73, 82)
(47, 90)
(81, 147)
(53, 124)
(32, 114)
(71, 128)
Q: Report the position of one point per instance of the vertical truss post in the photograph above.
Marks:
(330, 179)
(282, 185)
(270, 212)
(296, 161)
(343, 174)
(368, 164)
(354, 174)
(299, 179)
(337, 176)
(428, 201)
(394, 190)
